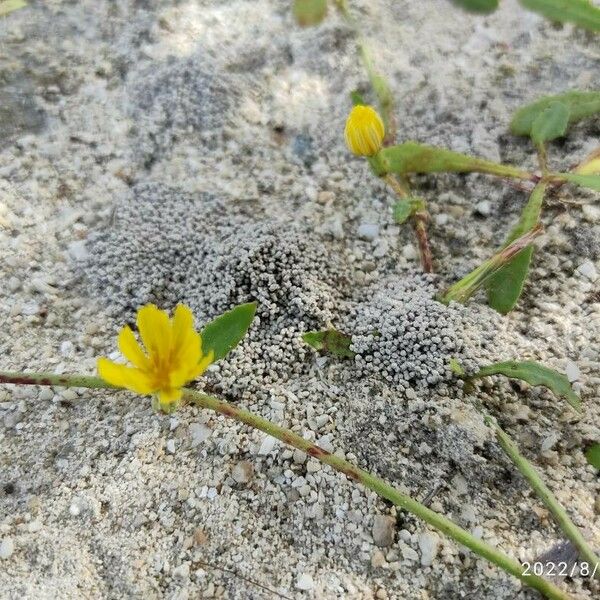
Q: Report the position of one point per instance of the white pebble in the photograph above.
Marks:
(305, 582)
(428, 544)
(588, 270)
(383, 530)
(572, 371)
(267, 445)
(409, 252)
(484, 208)
(242, 472)
(368, 231)
(199, 433)
(7, 547)
(591, 213)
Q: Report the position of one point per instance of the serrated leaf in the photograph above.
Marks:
(309, 12)
(551, 123)
(412, 157)
(580, 12)
(592, 455)
(478, 6)
(224, 333)
(330, 341)
(588, 181)
(8, 6)
(504, 287)
(534, 374)
(580, 105)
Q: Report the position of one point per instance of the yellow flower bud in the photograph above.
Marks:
(364, 131)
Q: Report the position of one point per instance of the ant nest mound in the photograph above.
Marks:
(180, 100)
(167, 247)
(401, 333)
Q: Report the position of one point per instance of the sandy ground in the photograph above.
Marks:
(170, 151)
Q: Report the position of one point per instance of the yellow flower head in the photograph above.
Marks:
(172, 355)
(364, 131)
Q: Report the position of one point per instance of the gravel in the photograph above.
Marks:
(187, 153)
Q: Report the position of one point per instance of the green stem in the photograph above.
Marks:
(341, 465)
(419, 219)
(413, 157)
(462, 290)
(560, 514)
(380, 86)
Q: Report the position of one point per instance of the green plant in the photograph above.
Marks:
(548, 118)
(353, 472)
(579, 12)
(8, 6)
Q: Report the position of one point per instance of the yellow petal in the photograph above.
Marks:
(123, 376)
(183, 323)
(206, 360)
(130, 348)
(168, 396)
(155, 330)
(188, 372)
(186, 341)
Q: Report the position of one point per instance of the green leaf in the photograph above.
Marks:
(224, 333)
(357, 98)
(478, 6)
(580, 105)
(309, 12)
(412, 157)
(505, 286)
(456, 368)
(8, 6)
(580, 12)
(551, 123)
(534, 374)
(330, 341)
(592, 454)
(589, 181)
(405, 208)
(462, 290)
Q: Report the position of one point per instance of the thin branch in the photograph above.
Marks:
(353, 472)
(546, 496)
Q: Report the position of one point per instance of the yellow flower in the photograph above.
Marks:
(364, 131)
(172, 356)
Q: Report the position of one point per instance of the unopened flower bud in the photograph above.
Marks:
(364, 131)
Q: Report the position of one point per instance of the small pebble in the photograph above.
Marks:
(305, 582)
(428, 544)
(409, 252)
(7, 547)
(267, 445)
(199, 433)
(588, 270)
(383, 530)
(572, 371)
(368, 231)
(483, 208)
(242, 472)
